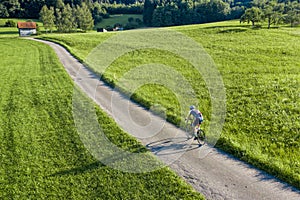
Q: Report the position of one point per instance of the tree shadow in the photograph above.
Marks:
(80, 169)
(233, 30)
(228, 26)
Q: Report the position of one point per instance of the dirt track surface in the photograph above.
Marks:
(210, 171)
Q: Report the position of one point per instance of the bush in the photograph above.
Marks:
(129, 26)
(139, 21)
(130, 19)
(10, 23)
(109, 28)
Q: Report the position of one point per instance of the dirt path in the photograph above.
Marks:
(211, 172)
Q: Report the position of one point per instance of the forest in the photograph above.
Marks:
(158, 13)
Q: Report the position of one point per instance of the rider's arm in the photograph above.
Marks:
(188, 116)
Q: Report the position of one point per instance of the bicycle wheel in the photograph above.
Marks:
(201, 137)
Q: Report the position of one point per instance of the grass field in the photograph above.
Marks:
(42, 156)
(114, 19)
(261, 73)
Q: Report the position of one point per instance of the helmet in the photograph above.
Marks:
(192, 107)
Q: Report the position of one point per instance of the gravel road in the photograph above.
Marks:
(213, 173)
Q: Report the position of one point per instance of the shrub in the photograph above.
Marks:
(139, 21)
(10, 23)
(131, 26)
(130, 19)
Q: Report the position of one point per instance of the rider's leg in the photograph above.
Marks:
(196, 125)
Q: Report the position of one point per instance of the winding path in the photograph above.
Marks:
(210, 171)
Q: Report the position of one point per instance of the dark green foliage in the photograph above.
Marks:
(84, 17)
(133, 23)
(253, 15)
(139, 21)
(273, 12)
(3, 11)
(113, 9)
(181, 12)
(149, 7)
(130, 19)
(10, 7)
(65, 20)
(99, 13)
(47, 17)
(10, 23)
(292, 13)
(32, 8)
(212, 11)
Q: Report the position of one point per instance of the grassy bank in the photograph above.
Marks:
(261, 73)
(42, 156)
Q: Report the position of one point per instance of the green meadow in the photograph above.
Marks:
(117, 19)
(261, 74)
(42, 155)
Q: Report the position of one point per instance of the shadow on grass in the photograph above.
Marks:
(9, 33)
(79, 170)
(241, 26)
(233, 30)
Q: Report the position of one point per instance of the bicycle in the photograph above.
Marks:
(190, 132)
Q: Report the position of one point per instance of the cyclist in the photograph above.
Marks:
(198, 119)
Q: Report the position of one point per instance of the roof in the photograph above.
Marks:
(26, 25)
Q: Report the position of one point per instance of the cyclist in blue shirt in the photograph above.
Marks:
(198, 119)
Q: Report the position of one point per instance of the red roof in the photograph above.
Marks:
(26, 25)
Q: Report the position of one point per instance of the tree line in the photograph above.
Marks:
(274, 12)
(66, 18)
(31, 8)
(181, 12)
(155, 12)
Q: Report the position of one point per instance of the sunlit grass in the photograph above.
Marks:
(261, 73)
(41, 153)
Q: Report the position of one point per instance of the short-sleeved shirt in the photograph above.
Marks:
(196, 114)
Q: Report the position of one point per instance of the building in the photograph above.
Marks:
(26, 28)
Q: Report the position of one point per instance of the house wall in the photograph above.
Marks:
(26, 32)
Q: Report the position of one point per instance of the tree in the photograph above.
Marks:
(3, 11)
(47, 17)
(214, 10)
(65, 21)
(13, 7)
(149, 7)
(59, 4)
(292, 15)
(99, 13)
(252, 15)
(272, 12)
(84, 17)
(32, 8)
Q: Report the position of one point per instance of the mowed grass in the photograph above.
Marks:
(42, 156)
(261, 74)
(84, 42)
